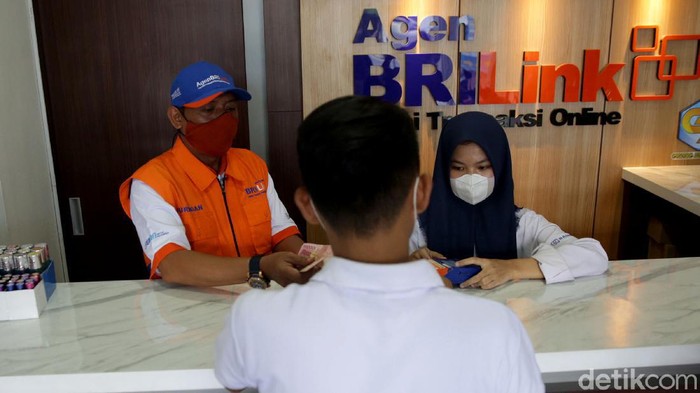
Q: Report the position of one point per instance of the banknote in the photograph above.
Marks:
(318, 252)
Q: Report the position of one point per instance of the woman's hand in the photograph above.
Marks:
(496, 272)
(425, 253)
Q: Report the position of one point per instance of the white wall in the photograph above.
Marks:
(28, 211)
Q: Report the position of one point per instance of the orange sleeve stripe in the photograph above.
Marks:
(162, 253)
(285, 233)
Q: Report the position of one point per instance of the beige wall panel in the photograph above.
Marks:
(429, 136)
(328, 29)
(648, 133)
(326, 60)
(555, 169)
(570, 174)
(326, 51)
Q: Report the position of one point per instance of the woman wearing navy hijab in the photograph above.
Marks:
(472, 215)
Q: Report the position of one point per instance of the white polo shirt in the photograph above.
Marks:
(361, 327)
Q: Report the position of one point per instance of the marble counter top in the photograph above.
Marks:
(118, 336)
(679, 184)
(135, 336)
(642, 314)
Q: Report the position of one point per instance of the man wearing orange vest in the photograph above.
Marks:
(208, 214)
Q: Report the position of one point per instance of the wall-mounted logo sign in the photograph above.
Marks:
(662, 58)
(689, 125)
(477, 71)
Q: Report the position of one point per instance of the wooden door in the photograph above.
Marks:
(107, 67)
(284, 100)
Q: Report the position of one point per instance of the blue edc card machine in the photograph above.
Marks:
(458, 275)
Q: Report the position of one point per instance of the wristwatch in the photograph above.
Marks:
(255, 275)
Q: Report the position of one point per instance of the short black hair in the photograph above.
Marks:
(358, 158)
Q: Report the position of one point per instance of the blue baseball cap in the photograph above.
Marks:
(201, 82)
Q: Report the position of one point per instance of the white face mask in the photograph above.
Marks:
(415, 211)
(415, 199)
(472, 188)
(318, 216)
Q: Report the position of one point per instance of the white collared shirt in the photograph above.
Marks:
(561, 256)
(361, 327)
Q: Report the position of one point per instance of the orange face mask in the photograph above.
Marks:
(213, 138)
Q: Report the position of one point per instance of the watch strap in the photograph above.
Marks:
(254, 268)
(254, 265)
